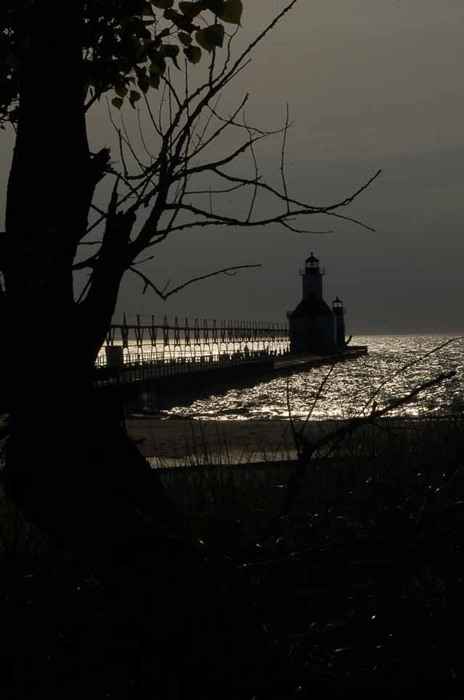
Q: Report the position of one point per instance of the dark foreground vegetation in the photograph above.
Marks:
(359, 589)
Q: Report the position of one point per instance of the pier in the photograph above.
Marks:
(180, 360)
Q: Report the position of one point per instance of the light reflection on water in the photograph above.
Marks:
(351, 384)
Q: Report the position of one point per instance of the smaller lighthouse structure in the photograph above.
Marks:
(314, 327)
(339, 313)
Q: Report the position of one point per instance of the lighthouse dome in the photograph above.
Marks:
(312, 259)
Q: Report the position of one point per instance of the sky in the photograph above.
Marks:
(370, 84)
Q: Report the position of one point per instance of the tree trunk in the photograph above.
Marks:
(69, 463)
(75, 473)
(51, 341)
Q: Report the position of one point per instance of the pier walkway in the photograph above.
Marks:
(173, 360)
(142, 370)
(303, 361)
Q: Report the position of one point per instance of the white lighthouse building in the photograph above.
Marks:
(314, 327)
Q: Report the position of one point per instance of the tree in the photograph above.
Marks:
(91, 481)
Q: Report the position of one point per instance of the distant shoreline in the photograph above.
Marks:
(242, 441)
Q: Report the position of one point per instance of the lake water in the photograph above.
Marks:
(352, 385)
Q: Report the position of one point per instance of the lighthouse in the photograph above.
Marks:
(312, 275)
(339, 314)
(314, 326)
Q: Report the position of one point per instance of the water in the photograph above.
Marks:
(351, 385)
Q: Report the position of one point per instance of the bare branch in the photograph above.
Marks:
(296, 202)
(211, 67)
(352, 197)
(140, 262)
(121, 141)
(162, 184)
(308, 448)
(85, 289)
(231, 121)
(127, 141)
(351, 220)
(201, 135)
(225, 124)
(261, 36)
(391, 406)
(316, 398)
(156, 126)
(162, 293)
(172, 89)
(86, 264)
(179, 198)
(282, 160)
(304, 230)
(295, 436)
(142, 138)
(412, 363)
(211, 191)
(224, 161)
(98, 210)
(221, 220)
(256, 178)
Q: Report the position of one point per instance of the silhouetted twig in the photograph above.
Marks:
(162, 293)
(338, 435)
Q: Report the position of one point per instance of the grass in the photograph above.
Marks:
(196, 442)
(359, 589)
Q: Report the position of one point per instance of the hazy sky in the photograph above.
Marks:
(370, 84)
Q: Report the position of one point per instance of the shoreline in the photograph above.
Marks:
(186, 439)
(192, 441)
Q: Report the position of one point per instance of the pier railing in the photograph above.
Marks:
(151, 342)
(139, 371)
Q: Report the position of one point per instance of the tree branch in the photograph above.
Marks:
(306, 448)
(296, 202)
(412, 363)
(162, 293)
(282, 160)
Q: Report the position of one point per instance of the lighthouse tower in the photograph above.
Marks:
(339, 313)
(312, 324)
(312, 274)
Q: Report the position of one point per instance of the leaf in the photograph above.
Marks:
(171, 14)
(211, 37)
(226, 10)
(143, 84)
(163, 4)
(193, 54)
(154, 81)
(180, 20)
(215, 6)
(164, 33)
(190, 9)
(158, 63)
(121, 90)
(117, 102)
(184, 38)
(232, 11)
(170, 51)
(13, 115)
(134, 97)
